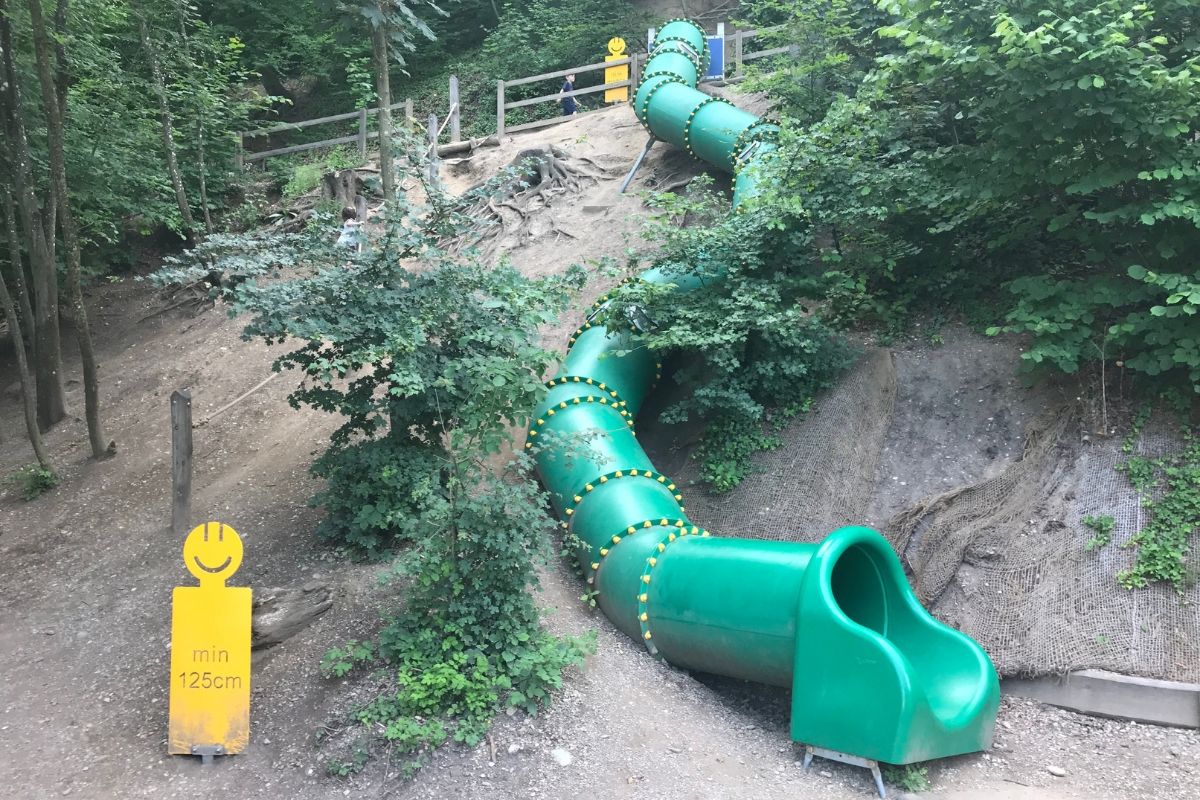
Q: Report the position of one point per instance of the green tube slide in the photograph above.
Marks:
(872, 673)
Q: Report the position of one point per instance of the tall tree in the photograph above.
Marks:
(183, 12)
(28, 391)
(56, 136)
(383, 88)
(20, 285)
(168, 127)
(393, 24)
(37, 223)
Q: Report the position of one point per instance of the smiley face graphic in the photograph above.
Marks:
(212, 552)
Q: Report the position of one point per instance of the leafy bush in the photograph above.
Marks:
(753, 342)
(376, 494)
(1043, 147)
(430, 359)
(33, 481)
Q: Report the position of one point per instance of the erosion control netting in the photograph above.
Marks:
(1002, 556)
(821, 478)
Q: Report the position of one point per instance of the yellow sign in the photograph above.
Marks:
(210, 649)
(616, 51)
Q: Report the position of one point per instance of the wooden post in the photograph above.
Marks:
(635, 76)
(738, 43)
(433, 155)
(238, 153)
(362, 135)
(408, 112)
(181, 462)
(455, 131)
(499, 108)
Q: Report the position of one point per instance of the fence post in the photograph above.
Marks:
(408, 112)
(455, 130)
(635, 76)
(433, 154)
(239, 154)
(499, 108)
(362, 135)
(181, 461)
(738, 41)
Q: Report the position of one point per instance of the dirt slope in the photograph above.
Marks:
(86, 572)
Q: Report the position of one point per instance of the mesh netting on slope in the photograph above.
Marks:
(1005, 562)
(821, 478)
(1001, 558)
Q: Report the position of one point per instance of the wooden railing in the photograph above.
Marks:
(735, 42)
(735, 45)
(360, 138)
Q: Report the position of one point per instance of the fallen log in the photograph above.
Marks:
(282, 613)
(468, 145)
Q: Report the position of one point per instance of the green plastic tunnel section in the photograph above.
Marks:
(872, 673)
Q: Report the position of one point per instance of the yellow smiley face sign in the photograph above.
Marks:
(212, 552)
(617, 74)
(210, 649)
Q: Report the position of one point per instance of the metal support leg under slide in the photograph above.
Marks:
(846, 758)
(637, 164)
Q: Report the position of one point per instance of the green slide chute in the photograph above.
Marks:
(872, 673)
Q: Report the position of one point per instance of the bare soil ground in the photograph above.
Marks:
(86, 573)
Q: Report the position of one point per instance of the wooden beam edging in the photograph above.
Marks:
(1109, 694)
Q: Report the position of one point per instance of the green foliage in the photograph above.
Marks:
(1169, 490)
(302, 175)
(724, 452)
(909, 778)
(33, 480)
(1043, 147)
(343, 769)
(376, 494)
(305, 178)
(752, 341)
(340, 661)
(1102, 528)
(834, 51)
(431, 359)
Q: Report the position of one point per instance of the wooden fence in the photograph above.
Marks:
(735, 44)
(359, 138)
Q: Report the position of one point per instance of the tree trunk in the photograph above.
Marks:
(383, 88)
(19, 286)
(181, 14)
(272, 81)
(28, 392)
(168, 136)
(47, 344)
(70, 234)
(208, 223)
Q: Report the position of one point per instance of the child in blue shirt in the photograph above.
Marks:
(569, 106)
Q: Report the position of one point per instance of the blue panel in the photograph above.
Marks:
(716, 58)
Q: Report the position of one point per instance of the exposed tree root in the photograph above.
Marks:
(538, 177)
